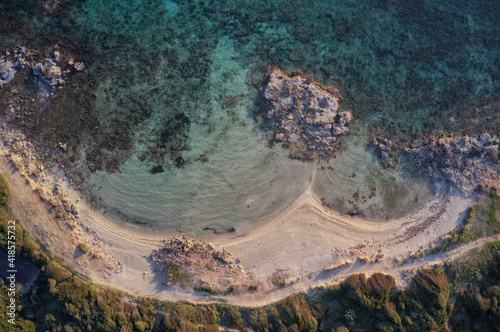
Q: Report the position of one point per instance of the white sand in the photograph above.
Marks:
(301, 240)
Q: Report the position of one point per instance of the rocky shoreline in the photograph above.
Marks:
(468, 163)
(64, 212)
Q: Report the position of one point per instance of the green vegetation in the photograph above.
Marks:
(491, 211)
(419, 254)
(476, 290)
(206, 289)
(253, 287)
(462, 295)
(177, 275)
(279, 279)
(4, 192)
(482, 219)
(458, 236)
(84, 247)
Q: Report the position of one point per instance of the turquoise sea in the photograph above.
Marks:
(160, 127)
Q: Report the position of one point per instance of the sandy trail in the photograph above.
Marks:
(299, 241)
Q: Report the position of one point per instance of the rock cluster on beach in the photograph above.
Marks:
(464, 161)
(302, 114)
(50, 70)
(205, 264)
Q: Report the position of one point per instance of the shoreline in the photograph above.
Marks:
(303, 241)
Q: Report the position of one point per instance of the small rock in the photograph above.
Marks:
(383, 147)
(57, 56)
(79, 66)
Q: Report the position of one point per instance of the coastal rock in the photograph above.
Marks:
(302, 113)
(464, 161)
(50, 70)
(224, 256)
(206, 265)
(383, 145)
(7, 70)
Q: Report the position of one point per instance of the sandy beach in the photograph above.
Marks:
(306, 242)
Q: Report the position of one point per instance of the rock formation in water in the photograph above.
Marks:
(383, 146)
(53, 7)
(51, 70)
(302, 114)
(465, 162)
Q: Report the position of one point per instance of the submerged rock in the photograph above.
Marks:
(50, 70)
(465, 162)
(53, 7)
(7, 70)
(302, 113)
(383, 145)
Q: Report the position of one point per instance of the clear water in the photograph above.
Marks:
(405, 70)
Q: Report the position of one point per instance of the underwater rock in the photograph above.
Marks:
(7, 70)
(302, 113)
(464, 161)
(383, 145)
(50, 70)
(53, 7)
(296, 56)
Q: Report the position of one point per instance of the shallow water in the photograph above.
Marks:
(171, 88)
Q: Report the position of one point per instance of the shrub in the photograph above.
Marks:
(206, 289)
(372, 292)
(491, 211)
(140, 326)
(57, 272)
(458, 236)
(253, 287)
(490, 249)
(426, 299)
(231, 317)
(4, 191)
(84, 247)
(176, 274)
(278, 279)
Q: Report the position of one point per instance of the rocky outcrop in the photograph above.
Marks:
(50, 70)
(7, 71)
(465, 162)
(302, 113)
(204, 265)
(383, 145)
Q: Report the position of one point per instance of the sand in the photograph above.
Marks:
(307, 243)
